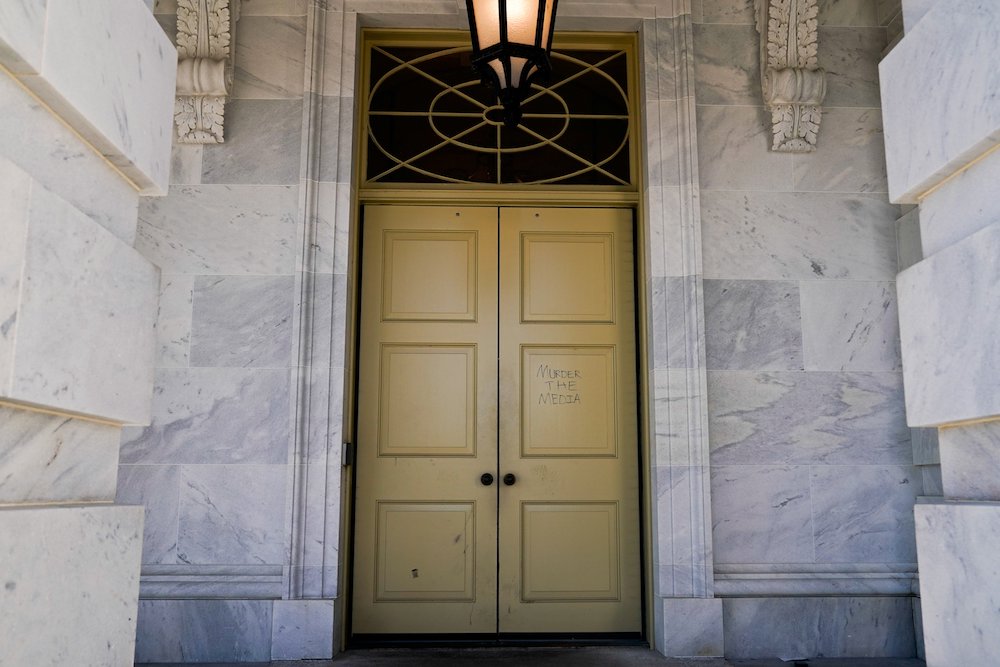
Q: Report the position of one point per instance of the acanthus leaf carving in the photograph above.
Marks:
(792, 83)
(205, 48)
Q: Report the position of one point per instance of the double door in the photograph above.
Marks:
(497, 475)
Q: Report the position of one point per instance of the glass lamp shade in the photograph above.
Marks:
(511, 41)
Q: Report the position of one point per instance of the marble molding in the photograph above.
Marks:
(115, 90)
(47, 458)
(792, 82)
(85, 615)
(948, 313)
(78, 309)
(936, 121)
(959, 581)
(205, 50)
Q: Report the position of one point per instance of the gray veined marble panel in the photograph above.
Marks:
(232, 514)
(15, 201)
(727, 64)
(157, 489)
(22, 26)
(203, 630)
(332, 224)
(850, 57)
(271, 56)
(849, 326)
(263, 141)
(173, 321)
(242, 321)
(218, 229)
(850, 157)
(799, 236)
(48, 458)
(864, 514)
(751, 324)
(761, 514)
(791, 628)
(734, 151)
(185, 164)
(814, 418)
(213, 415)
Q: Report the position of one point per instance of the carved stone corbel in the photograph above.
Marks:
(792, 82)
(206, 39)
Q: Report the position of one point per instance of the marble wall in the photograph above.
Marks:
(812, 472)
(242, 408)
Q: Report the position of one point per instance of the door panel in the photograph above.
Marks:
(425, 544)
(569, 526)
(501, 342)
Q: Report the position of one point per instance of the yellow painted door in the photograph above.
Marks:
(450, 337)
(569, 523)
(425, 542)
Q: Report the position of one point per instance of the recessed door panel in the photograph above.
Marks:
(568, 401)
(570, 552)
(429, 275)
(425, 552)
(427, 399)
(553, 289)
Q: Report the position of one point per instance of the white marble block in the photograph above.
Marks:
(107, 69)
(69, 585)
(949, 313)
(940, 111)
(959, 582)
(970, 461)
(77, 308)
(302, 629)
(691, 627)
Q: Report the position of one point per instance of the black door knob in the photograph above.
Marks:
(486, 479)
(509, 479)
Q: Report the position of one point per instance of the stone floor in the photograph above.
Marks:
(549, 657)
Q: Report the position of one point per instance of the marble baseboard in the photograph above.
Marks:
(78, 309)
(46, 458)
(302, 630)
(804, 628)
(116, 91)
(959, 582)
(204, 631)
(85, 615)
(936, 121)
(948, 316)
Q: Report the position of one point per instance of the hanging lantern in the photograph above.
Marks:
(511, 40)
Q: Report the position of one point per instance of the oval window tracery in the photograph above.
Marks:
(430, 120)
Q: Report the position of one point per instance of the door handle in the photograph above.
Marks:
(486, 479)
(509, 479)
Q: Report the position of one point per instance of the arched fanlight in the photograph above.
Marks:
(511, 40)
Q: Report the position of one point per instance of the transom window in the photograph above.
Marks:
(430, 120)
